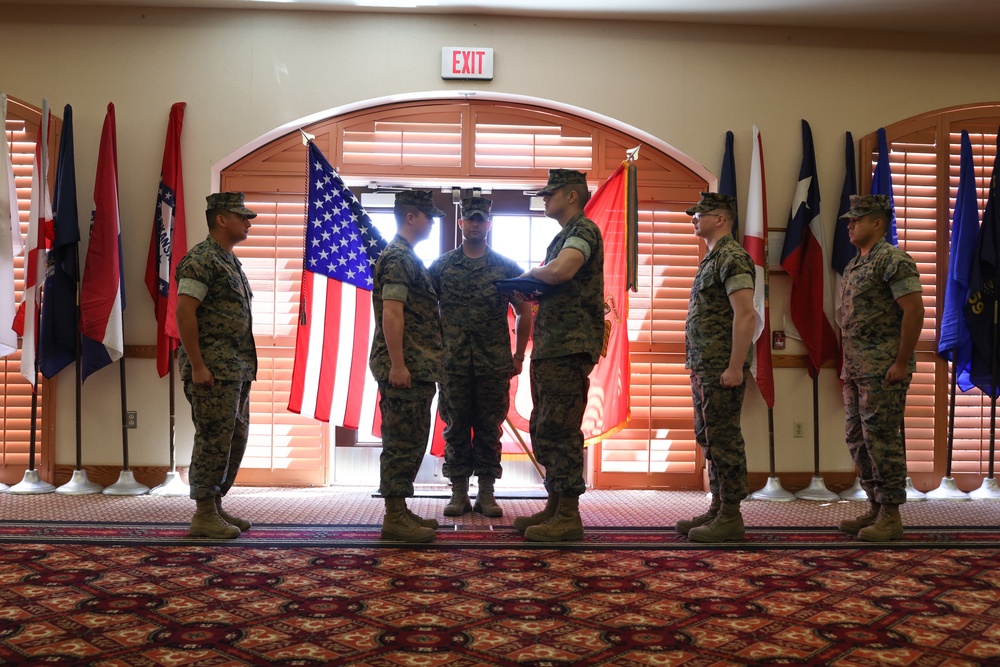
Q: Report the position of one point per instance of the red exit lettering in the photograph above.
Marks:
(467, 62)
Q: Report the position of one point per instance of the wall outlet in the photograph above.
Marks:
(798, 430)
(131, 419)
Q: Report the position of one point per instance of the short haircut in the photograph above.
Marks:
(211, 214)
(400, 211)
(581, 190)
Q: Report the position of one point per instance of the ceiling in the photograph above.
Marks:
(950, 17)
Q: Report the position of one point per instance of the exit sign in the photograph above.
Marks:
(465, 62)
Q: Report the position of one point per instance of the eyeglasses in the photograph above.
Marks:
(699, 216)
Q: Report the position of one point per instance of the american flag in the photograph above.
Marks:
(330, 377)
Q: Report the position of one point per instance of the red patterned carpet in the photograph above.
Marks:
(76, 590)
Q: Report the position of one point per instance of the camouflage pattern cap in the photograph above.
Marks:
(472, 206)
(422, 199)
(711, 201)
(561, 177)
(229, 201)
(864, 204)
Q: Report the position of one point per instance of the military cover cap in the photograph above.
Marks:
(422, 199)
(711, 201)
(229, 201)
(865, 204)
(561, 177)
(480, 206)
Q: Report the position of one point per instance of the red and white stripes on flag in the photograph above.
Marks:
(39, 232)
(167, 242)
(330, 378)
(11, 244)
(102, 293)
(755, 243)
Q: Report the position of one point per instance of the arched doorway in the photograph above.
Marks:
(506, 147)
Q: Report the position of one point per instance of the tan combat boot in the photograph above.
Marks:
(231, 519)
(486, 503)
(419, 520)
(565, 525)
(522, 523)
(727, 526)
(398, 526)
(459, 503)
(888, 526)
(852, 526)
(206, 522)
(684, 526)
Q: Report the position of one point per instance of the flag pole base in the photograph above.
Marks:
(126, 486)
(80, 485)
(817, 491)
(173, 485)
(3, 487)
(856, 493)
(912, 494)
(988, 491)
(31, 484)
(773, 491)
(948, 490)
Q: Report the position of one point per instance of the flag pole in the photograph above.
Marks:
(79, 484)
(990, 490)
(126, 484)
(772, 489)
(948, 489)
(817, 487)
(31, 483)
(524, 448)
(173, 485)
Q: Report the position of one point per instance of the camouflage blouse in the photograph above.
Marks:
(708, 334)
(870, 317)
(401, 276)
(225, 324)
(473, 313)
(570, 318)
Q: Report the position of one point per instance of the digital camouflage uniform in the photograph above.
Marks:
(221, 413)
(406, 413)
(475, 393)
(726, 268)
(567, 335)
(871, 321)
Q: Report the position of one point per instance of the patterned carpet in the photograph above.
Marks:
(103, 580)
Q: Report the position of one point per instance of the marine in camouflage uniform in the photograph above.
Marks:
(719, 311)
(880, 290)
(475, 394)
(406, 383)
(218, 360)
(568, 337)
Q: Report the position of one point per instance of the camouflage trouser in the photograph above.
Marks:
(874, 410)
(221, 416)
(473, 407)
(559, 389)
(406, 427)
(717, 429)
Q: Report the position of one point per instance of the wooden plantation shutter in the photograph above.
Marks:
(21, 127)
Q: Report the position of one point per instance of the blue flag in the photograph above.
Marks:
(59, 334)
(727, 180)
(882, 184)
(982, 304)
(954, 342)
(843, 250)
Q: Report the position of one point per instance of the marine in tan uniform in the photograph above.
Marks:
(405, 359)
(881, 316)
(718, 337)
(218, 361)
(475, 393)
(568, 336)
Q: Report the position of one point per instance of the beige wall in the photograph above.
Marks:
(246, 73)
